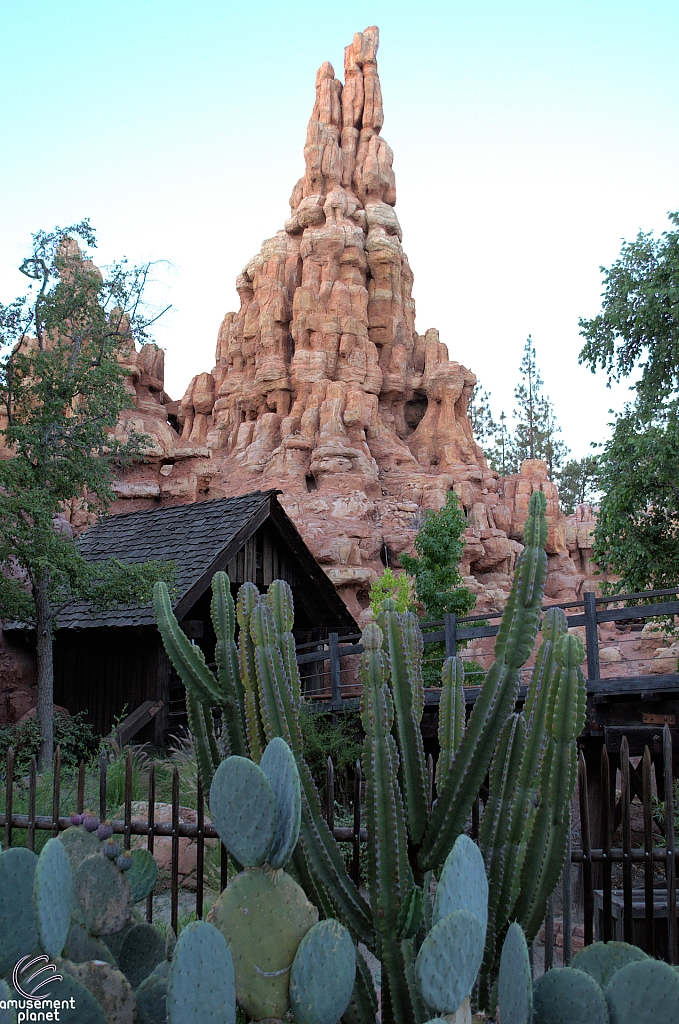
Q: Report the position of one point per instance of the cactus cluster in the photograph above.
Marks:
(257, 687)
(607, 983)
(281, 953)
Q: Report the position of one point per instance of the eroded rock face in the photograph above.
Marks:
(323, 388)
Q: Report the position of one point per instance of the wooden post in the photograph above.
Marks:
(335, 680)
(450, 629)
(591, 636)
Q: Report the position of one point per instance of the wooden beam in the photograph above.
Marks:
(131, 725)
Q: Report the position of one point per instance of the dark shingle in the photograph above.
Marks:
(191, 536)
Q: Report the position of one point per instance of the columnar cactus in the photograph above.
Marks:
(409, 841)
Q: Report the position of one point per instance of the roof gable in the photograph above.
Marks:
(193, 536)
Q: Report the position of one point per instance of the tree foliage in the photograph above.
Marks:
(62, 389)
(536, 431)
(578, 482)
(439, 545)
(637, 333)
(396, 586)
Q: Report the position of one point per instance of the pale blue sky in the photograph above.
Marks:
(529, 137)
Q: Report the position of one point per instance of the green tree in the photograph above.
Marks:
(481, 416)
(439, 545)
(501, 456)
(397, 586)
(536, 431)
(637, 334)
(62, 388)
(578, 482)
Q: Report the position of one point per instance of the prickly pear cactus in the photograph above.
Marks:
(201, 985)
(142, 950)
(278, 764)
(53, 897)
(152, 1000)
(7, 1014)
(463, 884)
(103, 894)
(143, 874)
(18, 933)
(644, 992)
(566, 995)
(602, 959)
(515, 984)
(449, 960)
(263, 915)
(85, 1008)
(81, 946)
(109, 987)
(322, 974)
(243, 808)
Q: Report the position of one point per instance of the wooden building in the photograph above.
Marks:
(112, 663)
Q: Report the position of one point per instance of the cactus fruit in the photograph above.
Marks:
(53, 897)
(201, 983)
(152, 1000)
(514, 984)
(142, 950)
(103, 894)
(124, 861)
(90, 822)
(18, 933)
(463, 884)
(76, 819)
(644, 992)
(243, 808)
(109, 987)
(142, 875)
(322, 974)
(449, 960)
(566, 995)
(602, 959)
(263, 915)
(105, 830)
(111, 849)
(279, 766)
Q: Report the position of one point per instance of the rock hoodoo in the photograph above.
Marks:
(323, 387)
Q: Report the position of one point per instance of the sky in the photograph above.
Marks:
(530, 138)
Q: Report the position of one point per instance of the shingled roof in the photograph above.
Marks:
(199, 538)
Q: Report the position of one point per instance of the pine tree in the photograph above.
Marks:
(536, 430)
(481, 416)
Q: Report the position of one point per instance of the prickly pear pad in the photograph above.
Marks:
(515, 985)
(566, 995)
(104, 895)
(263, 915)
(143, 874)
(449, 960)
(278, 764)
(79, 844)
(18, 935)
(463, 884)
(201, 989)
(142, 950)
(323, 974)
(53, 897)
(602, 959)
(152, 1000)
(644, 992)
(243, 808)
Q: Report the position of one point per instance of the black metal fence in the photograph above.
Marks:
(646, 917)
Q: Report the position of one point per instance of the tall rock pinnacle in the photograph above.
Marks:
(323, 387)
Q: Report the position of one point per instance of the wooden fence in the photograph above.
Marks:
(452, 630)
(648, 920)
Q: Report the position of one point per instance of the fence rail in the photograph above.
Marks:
(452, 630)
(646, 916)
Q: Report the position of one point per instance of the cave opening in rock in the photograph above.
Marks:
(415, 410)
(310, 481)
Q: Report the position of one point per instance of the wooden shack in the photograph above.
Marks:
(112, 663)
